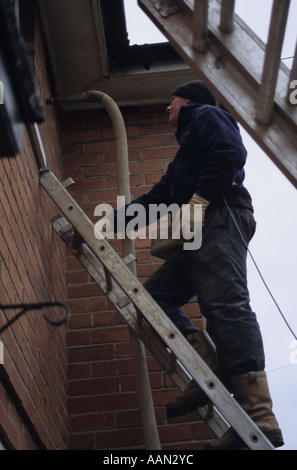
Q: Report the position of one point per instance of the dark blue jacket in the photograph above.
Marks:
(210, 161)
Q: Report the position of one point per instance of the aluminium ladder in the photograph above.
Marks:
(146, 318)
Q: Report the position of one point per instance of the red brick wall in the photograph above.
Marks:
(103, 405)
(33, 405)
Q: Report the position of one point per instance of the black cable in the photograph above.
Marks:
(36, 306)
(258, 269)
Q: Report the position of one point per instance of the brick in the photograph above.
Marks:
(91, 421)
(77, 306)
(71, 149)
(159, 154)
(91, 353)
(77, 277)
(127, 383)
(70, 124)
(84, 290)
(112, 368)
(111, 182)
(77, 322)
(78, 337)
(175, 433)
(202, 431)
(133, 156)
(107, 335)
(96, 123)
(162, 397)
(85, 185)
(145, 167)
(101, 170)
(82, 442)
(99, 147)
(80, 405)
(80, 161)
(102, 319)
(152, 178)
(157, 129)
(129, 438)
(123, 350)
(74, 173)
(116, 401)
(82, 136)
(78, 371)
(145, 142)
(145, 270)
(143, 118)
(91, 387)
(128, 419)
(118, 319)
(100, 304)
(101, 197)
(130, 130)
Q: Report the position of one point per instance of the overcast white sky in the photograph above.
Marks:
(274, 246)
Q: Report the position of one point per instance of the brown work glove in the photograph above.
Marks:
(188, 213)
(198, 200)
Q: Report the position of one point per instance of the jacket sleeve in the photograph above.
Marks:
(223, 152)
(160, 193)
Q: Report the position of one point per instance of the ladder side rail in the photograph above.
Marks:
(176, 342)
(200, 30)
(233, 89)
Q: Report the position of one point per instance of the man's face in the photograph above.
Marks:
(173, 109)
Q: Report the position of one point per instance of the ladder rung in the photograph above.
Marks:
(200, 20)
(139, 317)
(68, 182)
(272, 61)
(227, 16)
(107, 280)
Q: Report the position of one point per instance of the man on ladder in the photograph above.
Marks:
(208, 170)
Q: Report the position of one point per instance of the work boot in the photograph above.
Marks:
(193, 396)
(251, 391)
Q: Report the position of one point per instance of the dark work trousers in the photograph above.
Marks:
(216, 273)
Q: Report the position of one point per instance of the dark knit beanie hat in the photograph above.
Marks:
(195, 91)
